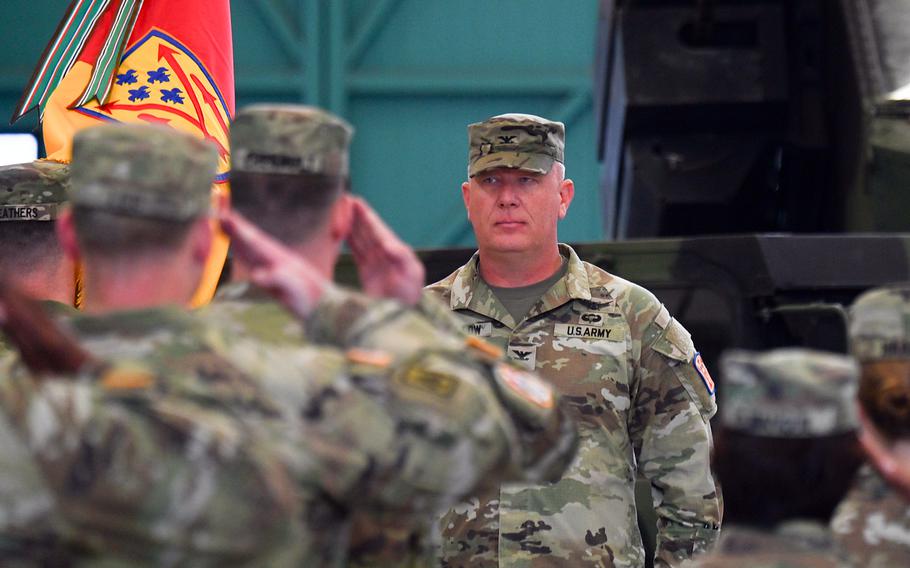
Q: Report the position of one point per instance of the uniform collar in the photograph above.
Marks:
(469, 291)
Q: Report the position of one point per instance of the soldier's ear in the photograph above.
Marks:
(66, 235)
(566, 193)
(466, 196)
(202, 234)
(341, 217)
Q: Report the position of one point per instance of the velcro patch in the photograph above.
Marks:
(369, 357)
(438, 384)
(484, 348)
(702, 371)
(524, 355)
(611, 333)
(527, 386)
(480, 329)
(28, 212)
(127, 379)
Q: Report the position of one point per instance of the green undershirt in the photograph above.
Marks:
(519, 301)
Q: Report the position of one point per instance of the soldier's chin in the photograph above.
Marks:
(509, 243)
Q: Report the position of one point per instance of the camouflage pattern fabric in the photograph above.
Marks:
(627, 370)
(789, 393)
(33, 191)
(460, 396)
(521, 141)
(880, 324)
(31, 529)
(872, 523)
(118, 168)
(168, 463)
(30, 525)
(794, 544)
(290, 140)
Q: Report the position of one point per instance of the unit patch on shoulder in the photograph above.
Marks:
(702, 371)
(432, 382)
(525, 385)
(480, 328)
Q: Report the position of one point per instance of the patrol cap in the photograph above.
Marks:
(880, 324)
(143, 171)
(33, 191)
(788, 393)
(290, 140)
(520, 141)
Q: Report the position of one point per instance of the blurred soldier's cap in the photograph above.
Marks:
(519, 141)
(33, 191)
(290, 140)
(788, 393)
(880, 324)
(143, 171)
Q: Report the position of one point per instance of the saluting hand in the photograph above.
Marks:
(289, 278)
(388, 268)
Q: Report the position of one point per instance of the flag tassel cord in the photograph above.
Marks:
(78, 24)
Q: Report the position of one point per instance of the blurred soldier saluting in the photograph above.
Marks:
(639, 389)
(785, 455)
(290, 178)
(873, 522)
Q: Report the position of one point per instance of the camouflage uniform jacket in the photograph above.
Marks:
(169, 461)
(626, 369)
(794, 544)
(30, 524)
(872, 523)
(456, 395)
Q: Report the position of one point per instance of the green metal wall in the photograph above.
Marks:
(410, 75)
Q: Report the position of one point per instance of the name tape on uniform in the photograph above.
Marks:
(480, 329)
(27, 212)
(611, 333)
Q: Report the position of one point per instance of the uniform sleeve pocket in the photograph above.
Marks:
(675, 343)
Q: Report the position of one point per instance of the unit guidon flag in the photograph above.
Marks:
(157, 61)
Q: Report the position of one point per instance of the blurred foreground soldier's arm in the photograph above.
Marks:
(640, 392)
(873, 522)
(785, 455)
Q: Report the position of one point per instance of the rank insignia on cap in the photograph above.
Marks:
(526, 385)
(702, 371)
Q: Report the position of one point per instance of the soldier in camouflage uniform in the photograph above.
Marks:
(639, 389)
(289, 172)
(873, 521)
(784, 454)
(356, 431)
(31, 195)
